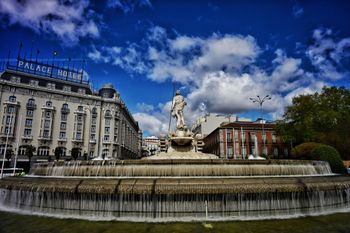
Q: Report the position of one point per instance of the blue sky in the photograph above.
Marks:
(219, 53)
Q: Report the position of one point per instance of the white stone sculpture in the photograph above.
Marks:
(177, 109)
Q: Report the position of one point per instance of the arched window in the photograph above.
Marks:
(108, 114)
(22, 150)
(2, 148)
(105, 153)
(64, 106)
(31, 101)
(62, 151)
(43, 151)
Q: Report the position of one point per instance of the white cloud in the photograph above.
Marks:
(327, 54)
(221, 73)
(68, 20)
(128, 6)
(298, 10)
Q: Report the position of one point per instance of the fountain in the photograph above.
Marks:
(181, 184)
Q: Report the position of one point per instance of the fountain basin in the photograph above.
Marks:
(166, 199)
(181, 140)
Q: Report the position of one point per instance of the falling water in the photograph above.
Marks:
(115, 169)
(170, 206)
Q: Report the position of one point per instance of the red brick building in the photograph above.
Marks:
(238, 140)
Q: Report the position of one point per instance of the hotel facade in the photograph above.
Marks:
(49, 107)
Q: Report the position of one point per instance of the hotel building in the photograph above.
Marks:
(50, 107)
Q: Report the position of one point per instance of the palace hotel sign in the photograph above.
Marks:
(34, 67)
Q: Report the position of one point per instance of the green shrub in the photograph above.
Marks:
(331, 155)
(304, 150)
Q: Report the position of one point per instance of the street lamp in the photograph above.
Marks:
(260, 101)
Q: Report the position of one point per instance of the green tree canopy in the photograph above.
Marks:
(321, 117)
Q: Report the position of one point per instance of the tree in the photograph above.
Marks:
(321, 117)
(9, 154)
(58, 152)
(75, 153)
(30, 150)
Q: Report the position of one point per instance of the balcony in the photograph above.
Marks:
(77, 140)
(27, 137)
(92, 141)
(44, 138)
(62, 139)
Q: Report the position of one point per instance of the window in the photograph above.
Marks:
(47, 123)
(78, 136)
(46, 133)
(29, 113)
(8, 130)
(105, 153)
(264, 136)
(48, 103)
(106, 138)
(27, 132)
(31, 101)
(29, 122)
(229, 151)
(65, 106)
(273, 138)
(62, 135)
(275, 151)
(229, 137)
(79, 126)
(64, 117)
(244, 152)
(12, 98)
(22, 150)
(108, 113)
(51, 85)
(286, 152)
(107, 130)
(252, 136)
(63, 125)
(43, 151)
(265, 150)
(66, 88)
(10, 109)
(9, 120)
(80, 108)
(93, 128)
(107, 121)
(92, 136)
(93, 120)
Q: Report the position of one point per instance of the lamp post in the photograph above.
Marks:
(260, 101)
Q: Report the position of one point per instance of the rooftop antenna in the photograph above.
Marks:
(31, 51)
(19, 53)
(172, 102)
(36, 56)
(8, 58)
